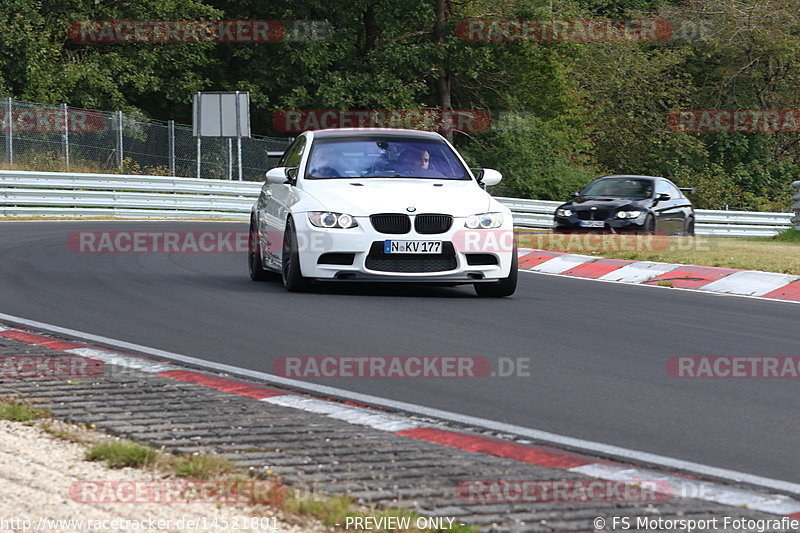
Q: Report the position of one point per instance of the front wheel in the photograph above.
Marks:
(293, 279)
(649, 225)
(689, 232)
(504, 287)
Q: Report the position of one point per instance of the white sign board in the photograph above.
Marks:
(221, 114)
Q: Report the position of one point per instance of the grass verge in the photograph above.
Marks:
(20, 411)
(770, 254)
(122, 453)
(332, 511)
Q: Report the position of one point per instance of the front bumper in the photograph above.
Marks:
(325, 254)
(611, 225)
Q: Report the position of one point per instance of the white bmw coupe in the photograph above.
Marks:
(381, 205)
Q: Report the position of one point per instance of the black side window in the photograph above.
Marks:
(293, 154)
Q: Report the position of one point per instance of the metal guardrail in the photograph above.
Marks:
(58, 194)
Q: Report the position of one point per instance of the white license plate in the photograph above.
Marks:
(593, 223)
(412, 247)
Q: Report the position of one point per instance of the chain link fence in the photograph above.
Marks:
(46, 137)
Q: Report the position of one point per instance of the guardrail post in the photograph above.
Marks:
(198, 156)
(230, 158)
(239, 155)
(9, 123)
(120, 155)
(171, 135)
(65, 134)
(238, 137)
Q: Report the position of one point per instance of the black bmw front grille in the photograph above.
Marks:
(598, 214)
(391, 223)
(429, 224)
(383, 262)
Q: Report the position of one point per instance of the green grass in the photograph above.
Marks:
(18, 411)
(789, 235)
(770, 254)
(122, 453)
(202, 466)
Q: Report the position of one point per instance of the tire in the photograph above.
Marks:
(504, 287)
(257, 272)
(293, 279)
(649, 227)
(689, 231)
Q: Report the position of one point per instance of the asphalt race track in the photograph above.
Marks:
(598, 351)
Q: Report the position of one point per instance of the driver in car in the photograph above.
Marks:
(412, 161)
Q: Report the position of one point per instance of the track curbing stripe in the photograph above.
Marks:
(211, 381)
(537, 455)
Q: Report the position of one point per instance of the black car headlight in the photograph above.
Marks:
(329, 219)
(628, 214)
(564, 212)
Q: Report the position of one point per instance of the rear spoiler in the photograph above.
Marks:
(690, 190)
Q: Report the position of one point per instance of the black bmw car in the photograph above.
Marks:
(616, 204)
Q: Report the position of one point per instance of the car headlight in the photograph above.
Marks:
(329, 219)
(628, 214)
(563, 212)
(484, 221)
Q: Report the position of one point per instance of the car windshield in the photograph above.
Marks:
(382, 157)
(621, 188)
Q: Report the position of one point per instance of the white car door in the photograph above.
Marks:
(277, 203)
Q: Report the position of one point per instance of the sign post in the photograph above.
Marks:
(222, 114)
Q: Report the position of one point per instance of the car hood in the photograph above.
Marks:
(604, 203)
(364, 197)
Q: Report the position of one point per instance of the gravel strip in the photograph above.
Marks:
(37, 471)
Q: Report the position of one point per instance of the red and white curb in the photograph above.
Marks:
(713, 279)
(406, 426)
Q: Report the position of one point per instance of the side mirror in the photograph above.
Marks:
(575, 194)
(663, 197)
(281, 175)
(488, 176)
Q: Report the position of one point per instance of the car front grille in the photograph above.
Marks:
(429, 224)
(599, 214)
(391, 223)
(378, 260)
